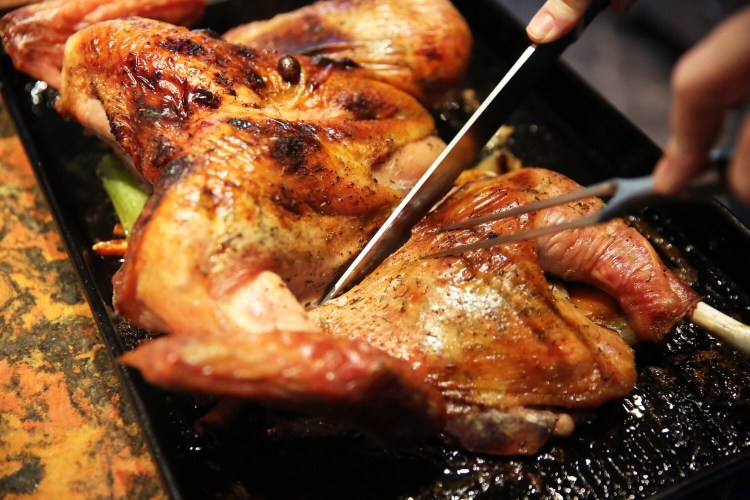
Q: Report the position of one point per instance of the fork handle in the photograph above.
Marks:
(713, 181)
(635, 193)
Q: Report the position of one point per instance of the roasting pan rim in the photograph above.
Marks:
(143, 396)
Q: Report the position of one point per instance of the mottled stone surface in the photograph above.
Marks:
(65, 430)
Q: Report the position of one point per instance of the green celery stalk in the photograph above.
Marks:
(126, 193)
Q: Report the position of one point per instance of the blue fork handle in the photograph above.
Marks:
(635, 193)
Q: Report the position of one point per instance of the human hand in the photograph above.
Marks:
(708, 81)
(557, 17)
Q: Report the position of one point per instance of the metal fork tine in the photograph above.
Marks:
(626, 195)
(521, 235)
(603, 189)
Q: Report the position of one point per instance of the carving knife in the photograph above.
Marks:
(533, 63)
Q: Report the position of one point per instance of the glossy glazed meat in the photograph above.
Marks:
(420, 46)
(398, 47)
(270, 171)
(509, 357)
(256, 168)
(265, 167)
(502, 348)
(34, 36)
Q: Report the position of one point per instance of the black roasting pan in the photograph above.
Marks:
(684, 430)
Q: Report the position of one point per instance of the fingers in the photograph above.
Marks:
(710, 79)
(558, 17)
(555, 18)
(695, 121)
(739, 171)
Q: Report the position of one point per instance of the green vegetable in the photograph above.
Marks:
(126, 193)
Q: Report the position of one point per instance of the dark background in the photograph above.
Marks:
(628, 57)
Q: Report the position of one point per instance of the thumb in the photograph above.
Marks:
(555, 19)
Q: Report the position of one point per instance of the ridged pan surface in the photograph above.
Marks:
(687, 422)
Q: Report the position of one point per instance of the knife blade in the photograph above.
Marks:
(531, 65)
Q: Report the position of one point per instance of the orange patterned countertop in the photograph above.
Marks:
(65, 429)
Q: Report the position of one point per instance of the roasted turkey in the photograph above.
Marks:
(254, 170)
(34, 36)
(508, 357)
(271, 169)
(421, 46)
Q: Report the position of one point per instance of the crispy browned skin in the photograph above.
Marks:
(270, 177)
(307, 372)
(420, 46)
(263, 172)
(34, 36)
(485, 325)
(508, 355)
